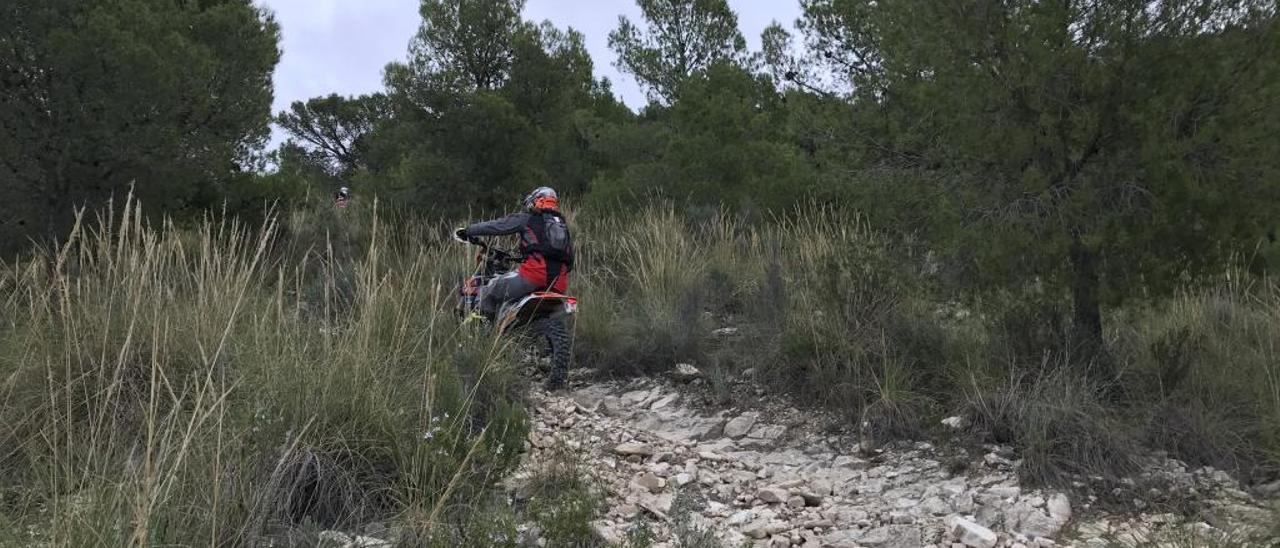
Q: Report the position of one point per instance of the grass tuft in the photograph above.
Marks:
(1058, 423)
(564, 502)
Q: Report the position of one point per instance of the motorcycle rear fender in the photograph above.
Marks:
(538, 304)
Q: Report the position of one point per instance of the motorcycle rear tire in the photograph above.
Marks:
(560, 344)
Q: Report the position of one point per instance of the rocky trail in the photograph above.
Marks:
(768, 477)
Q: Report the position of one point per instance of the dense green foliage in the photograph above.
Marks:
(1109, 147)
(171, 99)
(334, 127)
(684, 38)
(487, 105)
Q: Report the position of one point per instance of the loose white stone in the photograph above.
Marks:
(773, 495)
(685, 372)
(740, 425)
(971, 534)
(634, 449)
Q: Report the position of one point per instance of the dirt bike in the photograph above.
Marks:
(538, 318)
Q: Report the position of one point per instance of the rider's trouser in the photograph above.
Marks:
(507, 287)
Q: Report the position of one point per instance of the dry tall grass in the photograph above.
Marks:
(230, 385)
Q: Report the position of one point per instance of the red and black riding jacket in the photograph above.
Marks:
(548, 249)
(544, 241)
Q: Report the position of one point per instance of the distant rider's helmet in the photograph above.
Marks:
(542, 199)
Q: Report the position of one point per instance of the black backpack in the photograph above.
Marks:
(552, 241)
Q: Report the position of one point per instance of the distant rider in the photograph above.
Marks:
(545, 244)
(342, 197)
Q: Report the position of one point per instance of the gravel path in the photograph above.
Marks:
(755, 479)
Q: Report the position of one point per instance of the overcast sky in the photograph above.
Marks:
(341, 46)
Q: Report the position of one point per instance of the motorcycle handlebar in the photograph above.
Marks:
(484, 246)
(459, 236)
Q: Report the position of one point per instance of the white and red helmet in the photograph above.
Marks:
(542, 198)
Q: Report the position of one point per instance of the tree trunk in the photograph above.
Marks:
(1086, 325)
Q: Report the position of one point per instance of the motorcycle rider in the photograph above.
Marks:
(545, 244)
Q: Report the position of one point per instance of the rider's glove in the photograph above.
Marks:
(460, 234)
